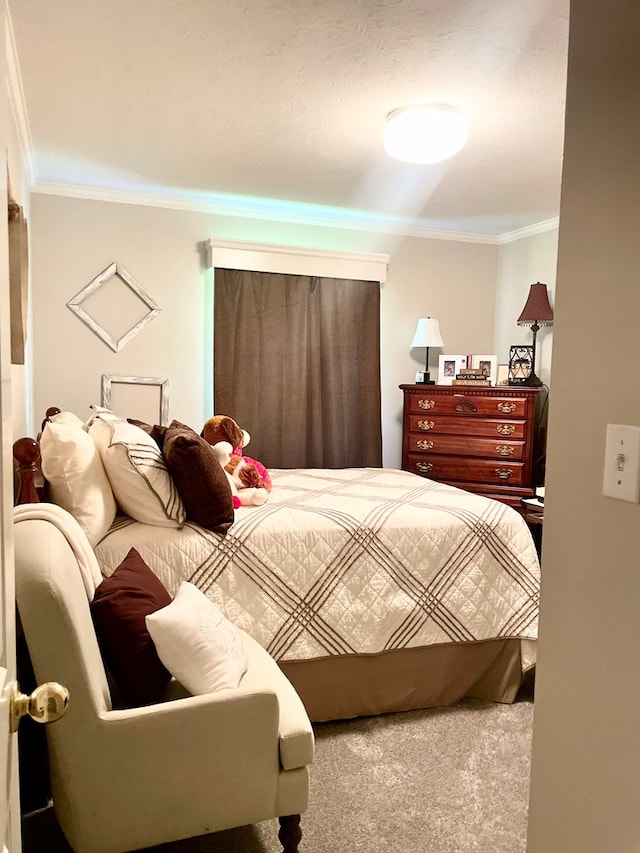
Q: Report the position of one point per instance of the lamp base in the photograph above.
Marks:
(423, 378)
(533, 381)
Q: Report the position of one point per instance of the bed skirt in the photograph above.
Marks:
(345, 686)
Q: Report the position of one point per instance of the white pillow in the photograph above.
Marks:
(136, 470)
(77, 479)
(197, 643)
(67, 418)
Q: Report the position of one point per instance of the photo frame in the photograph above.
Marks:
(449, 366)
(153, 408)
(503, 374)
(520, 363)
(488, 364)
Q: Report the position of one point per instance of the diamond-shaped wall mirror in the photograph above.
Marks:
(124, 297)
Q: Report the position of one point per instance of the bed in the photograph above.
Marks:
(375, 589)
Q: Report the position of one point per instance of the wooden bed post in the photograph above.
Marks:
(26, 452)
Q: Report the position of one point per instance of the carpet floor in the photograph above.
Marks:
(444, 780)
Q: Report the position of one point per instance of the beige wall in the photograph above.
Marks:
(585, 785)
(520, 264)
(74, 240)
(454, 282)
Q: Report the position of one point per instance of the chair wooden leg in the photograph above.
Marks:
(290, 833)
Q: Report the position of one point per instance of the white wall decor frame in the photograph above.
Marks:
(163, 386)
(117, 271)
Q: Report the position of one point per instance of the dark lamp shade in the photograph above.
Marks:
(537, 308)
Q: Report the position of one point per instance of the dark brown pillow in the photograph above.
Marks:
(157, 432)
(119, 607)
(199, 478)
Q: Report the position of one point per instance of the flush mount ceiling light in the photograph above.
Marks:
(427, 133)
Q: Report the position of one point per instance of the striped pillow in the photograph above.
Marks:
(139, 478)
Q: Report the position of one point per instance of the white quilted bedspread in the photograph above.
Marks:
(354, 561)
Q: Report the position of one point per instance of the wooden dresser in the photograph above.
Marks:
(480, 439)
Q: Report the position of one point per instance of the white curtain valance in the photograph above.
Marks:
(292, 260)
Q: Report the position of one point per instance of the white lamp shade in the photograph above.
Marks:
(427, 333)
(427, 133)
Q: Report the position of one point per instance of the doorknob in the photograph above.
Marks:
(46, 704)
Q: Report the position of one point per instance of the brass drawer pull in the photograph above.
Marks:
(506, 407)
(426, 424)
(504, 473)
(424, 444)
(425, 467)
(506, 429)
(505, 449)
(426, 404)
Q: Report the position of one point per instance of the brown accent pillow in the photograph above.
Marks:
(119, 607)
(199, 478)
(157, 431)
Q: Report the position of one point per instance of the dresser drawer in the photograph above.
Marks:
(438, 467)
(469, 405)
(449, 425)
(465, 445)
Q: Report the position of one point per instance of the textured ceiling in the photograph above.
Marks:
(277, 101)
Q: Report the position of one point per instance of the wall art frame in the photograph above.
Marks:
(108, 381)
(449, 366)
(18, 279)
(114, 270)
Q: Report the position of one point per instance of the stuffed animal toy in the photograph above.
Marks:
(248, 473)
(242, 495)
(223, 428)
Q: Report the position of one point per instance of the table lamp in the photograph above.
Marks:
(427, 335)
(537, 312)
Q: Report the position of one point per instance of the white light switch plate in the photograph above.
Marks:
(622, 463)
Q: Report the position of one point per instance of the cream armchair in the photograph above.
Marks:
(126, 779)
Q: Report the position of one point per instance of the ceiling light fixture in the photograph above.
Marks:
(426, 133)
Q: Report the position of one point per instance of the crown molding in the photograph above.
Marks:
(265, 210)
(530, 230)
(17, 100)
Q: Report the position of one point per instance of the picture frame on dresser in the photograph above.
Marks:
(503, 374)
(488, 364)
(449, 366)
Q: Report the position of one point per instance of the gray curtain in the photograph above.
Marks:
(297, 364)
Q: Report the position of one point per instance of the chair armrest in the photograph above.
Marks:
(296, 734)
(200, 763)
(226, 724)
(225, 743)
